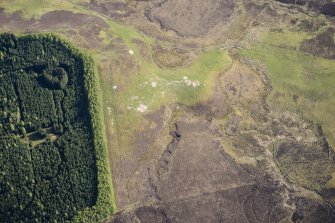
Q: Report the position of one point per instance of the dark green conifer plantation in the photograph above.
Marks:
(53, 165)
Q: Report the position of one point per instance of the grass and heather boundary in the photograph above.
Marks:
(105, 204)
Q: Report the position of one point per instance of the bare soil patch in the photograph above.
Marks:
(14, 20)
(323, 45)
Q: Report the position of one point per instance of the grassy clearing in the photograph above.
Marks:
(301, 82)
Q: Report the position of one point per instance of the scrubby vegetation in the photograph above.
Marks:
(53, 163)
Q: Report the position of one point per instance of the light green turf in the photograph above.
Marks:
(283, 38)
